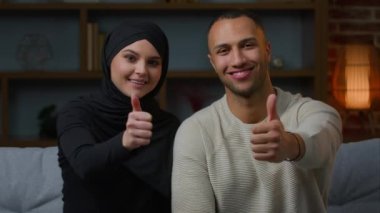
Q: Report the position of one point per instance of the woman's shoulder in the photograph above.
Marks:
(77, 107)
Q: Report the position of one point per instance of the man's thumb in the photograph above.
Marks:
(271, 107)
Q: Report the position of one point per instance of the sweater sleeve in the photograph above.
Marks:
(320, 127)
(191, 186)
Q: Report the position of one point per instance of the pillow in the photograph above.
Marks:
(30, 180)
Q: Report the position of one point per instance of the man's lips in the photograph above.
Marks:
(240, 75)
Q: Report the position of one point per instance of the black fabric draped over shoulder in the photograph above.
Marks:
(99, 174)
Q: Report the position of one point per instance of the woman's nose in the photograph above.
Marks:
(141, 67)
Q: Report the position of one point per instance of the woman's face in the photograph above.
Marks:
(136, 69)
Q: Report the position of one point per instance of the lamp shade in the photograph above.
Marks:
(356, 79)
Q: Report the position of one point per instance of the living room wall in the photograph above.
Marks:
(353, 21)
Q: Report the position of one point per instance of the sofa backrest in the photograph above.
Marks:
(30, 180)
(355, 185)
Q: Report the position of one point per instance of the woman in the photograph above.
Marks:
(115, 146)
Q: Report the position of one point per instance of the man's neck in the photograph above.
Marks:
(249, 110)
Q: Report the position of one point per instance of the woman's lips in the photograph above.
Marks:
(138, 82)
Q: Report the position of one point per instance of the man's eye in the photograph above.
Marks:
(222, 51)
(249, 45)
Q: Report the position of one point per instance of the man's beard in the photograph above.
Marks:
(256, 84)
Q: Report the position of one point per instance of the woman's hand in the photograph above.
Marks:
(138, 127)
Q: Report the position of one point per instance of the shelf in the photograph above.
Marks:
(292, 74)
(50, 75)
(171, 74)
(304, 5)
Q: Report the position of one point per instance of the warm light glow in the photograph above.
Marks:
(357, 71)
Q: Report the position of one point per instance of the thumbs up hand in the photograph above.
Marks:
(268, 139)
(138, 127)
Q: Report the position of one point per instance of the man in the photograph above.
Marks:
(258, 148)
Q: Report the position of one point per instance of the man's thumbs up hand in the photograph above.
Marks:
(267, 138)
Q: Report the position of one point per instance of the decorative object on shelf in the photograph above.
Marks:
(33, 51)
(47, 118)
(277, 63)
(356, 83)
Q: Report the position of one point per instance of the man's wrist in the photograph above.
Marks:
(299, 148)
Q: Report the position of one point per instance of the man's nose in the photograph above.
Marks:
(238, 58)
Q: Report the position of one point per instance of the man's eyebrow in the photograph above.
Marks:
(220, 46)
(251, 39)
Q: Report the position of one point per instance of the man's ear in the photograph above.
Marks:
(210, 59)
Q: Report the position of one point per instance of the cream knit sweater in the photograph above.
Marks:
(214, 169)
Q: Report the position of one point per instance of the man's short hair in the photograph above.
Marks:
(236, 13)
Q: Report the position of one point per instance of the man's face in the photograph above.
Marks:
(240, 55)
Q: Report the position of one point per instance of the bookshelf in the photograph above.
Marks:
(301, 44)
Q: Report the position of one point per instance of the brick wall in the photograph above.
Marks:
(352, 21)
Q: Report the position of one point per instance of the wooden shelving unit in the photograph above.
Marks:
(86, 12)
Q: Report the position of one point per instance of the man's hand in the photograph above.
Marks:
(270, 142)
(138, 127)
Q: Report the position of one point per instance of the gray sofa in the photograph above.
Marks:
(355, 186)
(30, 180)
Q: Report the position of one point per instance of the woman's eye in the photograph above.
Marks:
(130, 58)
(154, 63)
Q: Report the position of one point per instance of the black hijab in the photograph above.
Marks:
(102, 116)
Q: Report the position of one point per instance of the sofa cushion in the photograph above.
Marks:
(30, 180)
(355, 185)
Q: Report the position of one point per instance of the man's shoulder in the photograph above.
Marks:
(296, 99)
(299, 103)
(206, 115)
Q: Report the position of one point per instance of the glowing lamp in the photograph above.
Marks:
(356, 79)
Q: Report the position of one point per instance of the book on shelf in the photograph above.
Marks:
(95, 42)
(90, 46)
